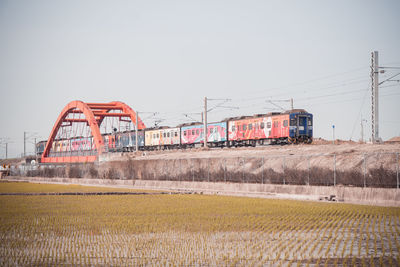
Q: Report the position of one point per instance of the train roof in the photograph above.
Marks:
(253, 116)
(266, 114)
(160, 128)
(198, 123)
(156, 128)
(295, 111)
(189, 124)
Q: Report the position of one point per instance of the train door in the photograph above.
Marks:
(302, 125)
(275, 128)
(309, 126)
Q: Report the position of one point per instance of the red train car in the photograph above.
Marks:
(271, 128)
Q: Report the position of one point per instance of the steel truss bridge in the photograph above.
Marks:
(85, 120)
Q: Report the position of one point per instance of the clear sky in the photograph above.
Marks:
(166, 56)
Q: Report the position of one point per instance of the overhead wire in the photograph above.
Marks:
(306, 82)
(259, 101)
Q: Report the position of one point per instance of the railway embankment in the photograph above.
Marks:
(341, 194)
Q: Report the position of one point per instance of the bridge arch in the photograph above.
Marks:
(94, 114)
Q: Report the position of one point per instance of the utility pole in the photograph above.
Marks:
(362, 129)
(34, 149)
(24, 144)
(291, 104)
(137, 136)
(5, 141)
(333, 134)
(28, 137)
(375, 70)
(362, 132)
(205, 122)
(374, 97)
(219, 105)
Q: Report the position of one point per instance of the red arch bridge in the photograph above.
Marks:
(83, 131)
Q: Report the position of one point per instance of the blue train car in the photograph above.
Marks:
(300, 127)
(126, 141)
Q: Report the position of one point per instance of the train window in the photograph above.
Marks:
(158, 135)
(233, 128)
(184, 133)
(244, 127)
(192, 132)
(176, 134)
(292, 122)
(168, 134)
(165, 135)
(262, 125)
(268, 124)
(250, 126)
(256, 126)
(197, 131)
(285, 123)
(309, 122)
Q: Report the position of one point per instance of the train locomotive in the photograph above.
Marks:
(289, 127)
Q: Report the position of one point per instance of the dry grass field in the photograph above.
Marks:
(191, 230)
(22, 187)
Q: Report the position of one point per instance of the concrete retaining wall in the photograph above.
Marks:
(368, 196)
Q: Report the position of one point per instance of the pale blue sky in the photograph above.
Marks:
(165, 56)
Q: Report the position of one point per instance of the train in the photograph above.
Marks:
(289, 127)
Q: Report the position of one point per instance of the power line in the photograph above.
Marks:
(308, 81)
(389, 79)
(319, 88)
(330, 95)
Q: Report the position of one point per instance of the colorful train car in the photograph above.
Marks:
(162, 138)
(272, 128)
(80, 144)
(40, 146)
(126, 141)
(192, 134)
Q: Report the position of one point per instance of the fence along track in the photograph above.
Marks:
(350, 169)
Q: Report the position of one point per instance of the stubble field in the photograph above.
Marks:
(191, 230)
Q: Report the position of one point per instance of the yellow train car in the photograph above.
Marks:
(162, 138)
